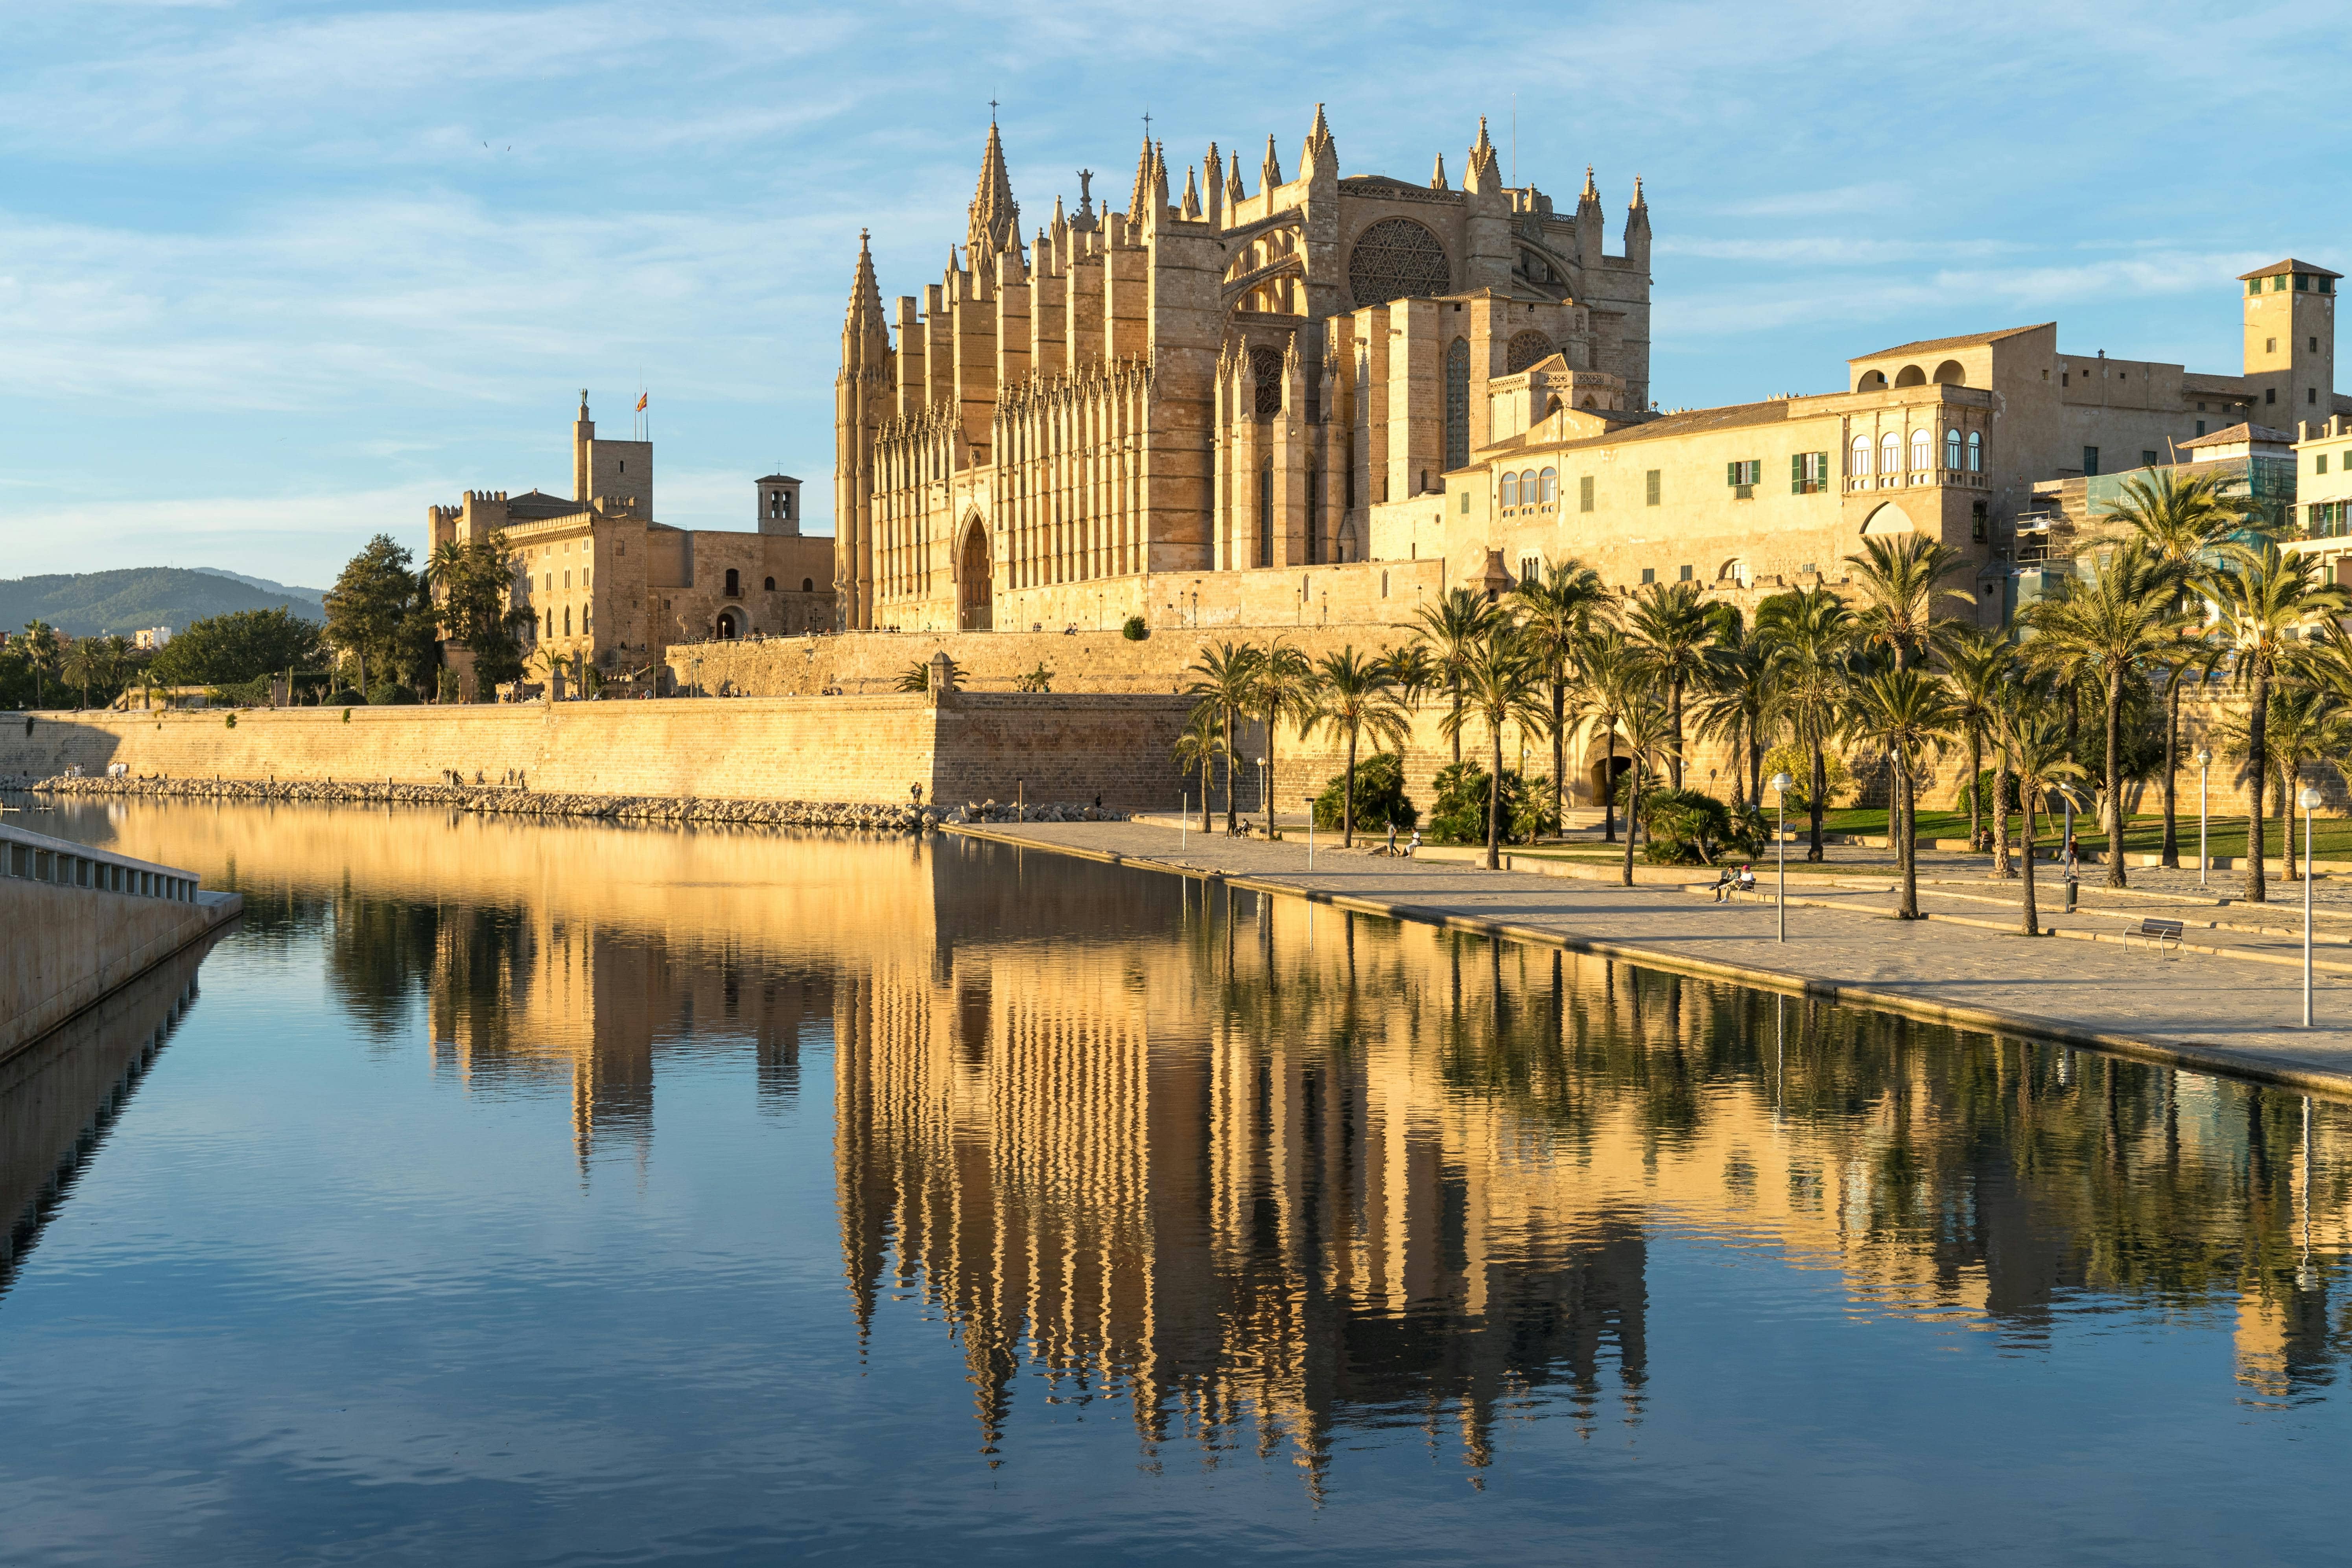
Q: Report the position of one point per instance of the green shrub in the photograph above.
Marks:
(1134, 630)
(344, 697)
(1689, 827)
(1534, 818)
(1982, 790)
(1380, 797)
(391, 693)
(1796, 762)
(229, 724)
(1460, 814)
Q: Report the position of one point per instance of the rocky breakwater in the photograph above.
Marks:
(510, 801)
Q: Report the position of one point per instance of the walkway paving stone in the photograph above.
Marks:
(2217, 1011)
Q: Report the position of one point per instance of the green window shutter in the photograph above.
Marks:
(1730, 473)
(1796, 473)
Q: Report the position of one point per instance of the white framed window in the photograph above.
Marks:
(1860, 454)
(1976, 451)
(1923, 451)
(1550, 478)
(1951, 448)
(1890, 453)
(1510, 490)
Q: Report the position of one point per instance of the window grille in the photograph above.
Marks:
(1457, 403)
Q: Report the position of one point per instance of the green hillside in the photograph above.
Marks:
(123, 602)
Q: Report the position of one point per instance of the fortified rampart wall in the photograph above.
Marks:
(851, 749)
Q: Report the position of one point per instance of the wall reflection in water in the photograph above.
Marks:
(1262, 1174)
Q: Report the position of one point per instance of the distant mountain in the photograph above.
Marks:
(317, 597)
(86, 603)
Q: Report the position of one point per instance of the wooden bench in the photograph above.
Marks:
(2156, 934)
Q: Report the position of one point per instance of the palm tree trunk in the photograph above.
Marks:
(2032, 913)
(1453, 685)
(1813, 800)
(2286, 815)
(1272, 719)
(1636, 775)
(1348, 799)
(2258, 770)
(1233, 810)
(1609, 789)
(1558, 755)
(2115, 878)
(1976, 784)
(2170, 855)
(1495, 799)
(1205, 760)
(1908, 859)
(1674, 762)
(2003, 866)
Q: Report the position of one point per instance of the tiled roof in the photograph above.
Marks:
(2226, 385)
(2239, 435)
(1698, 420)
(777, 480)
(2289, 265)
(1937, 345)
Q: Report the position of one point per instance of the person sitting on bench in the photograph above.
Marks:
(1725, 881)
(1746, 879)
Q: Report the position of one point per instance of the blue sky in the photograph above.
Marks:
(274, 276)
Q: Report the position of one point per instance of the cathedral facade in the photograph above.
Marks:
(1210, 381)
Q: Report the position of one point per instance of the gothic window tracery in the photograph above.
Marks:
(1397, 258)
(1457, 405)
(1265, 367)
(1526, 349)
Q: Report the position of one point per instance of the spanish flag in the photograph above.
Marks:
(641, 402)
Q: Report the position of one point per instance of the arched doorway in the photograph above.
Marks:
(729, 626)
(974, 593)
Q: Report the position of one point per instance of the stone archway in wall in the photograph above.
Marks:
(1887, 518)
(975, 590)
(730, 626)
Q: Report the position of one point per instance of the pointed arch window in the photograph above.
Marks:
(1266, 514)
(1457, 405)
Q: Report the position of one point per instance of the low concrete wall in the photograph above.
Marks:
(846, 749)
(68, 947)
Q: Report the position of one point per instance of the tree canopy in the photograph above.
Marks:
(242, 646)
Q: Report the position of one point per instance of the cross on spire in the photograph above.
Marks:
(992, 112)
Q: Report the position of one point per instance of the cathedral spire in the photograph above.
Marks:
(1320, 149)
(1591, 192)
(1191, 195)
(1234, 192)
(1212, 186)
(1142, 182)
(1479, 173)
(995, 217)
(1270, 172)
(1437, 180)
(864, 298)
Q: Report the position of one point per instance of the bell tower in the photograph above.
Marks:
(2290, 357)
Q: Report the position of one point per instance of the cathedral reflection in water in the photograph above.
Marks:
(1258, 1171)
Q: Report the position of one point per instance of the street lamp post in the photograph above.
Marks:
(2306, 797)
(2204, 771)
(1780, 783)
(1265, 801)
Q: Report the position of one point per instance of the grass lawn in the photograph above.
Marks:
(2143, 835)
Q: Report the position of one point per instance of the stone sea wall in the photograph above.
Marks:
(503, 801)
(841, 750)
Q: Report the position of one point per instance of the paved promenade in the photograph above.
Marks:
(2233, 1007)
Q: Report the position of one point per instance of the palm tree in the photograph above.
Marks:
(2180, 517)
(40, 652)
(1647, 726)
(1742, 706)
(1452, 629)
(1282, 687)
(1905, 712)
(1809, 631)
(1670, 624)
(1555, 614)
(84, 662)
(1354, 696)
(2260, 597)
(1201, 744)
(1898, 574)
(2104, 626)
(1411, 673)
(1498, 683)
(2036, 750)
(1981, 665)
(2191, 651)
(2306, 725)
(1611, 680)
(1225, 675)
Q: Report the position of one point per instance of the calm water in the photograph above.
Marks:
(516, 1194)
